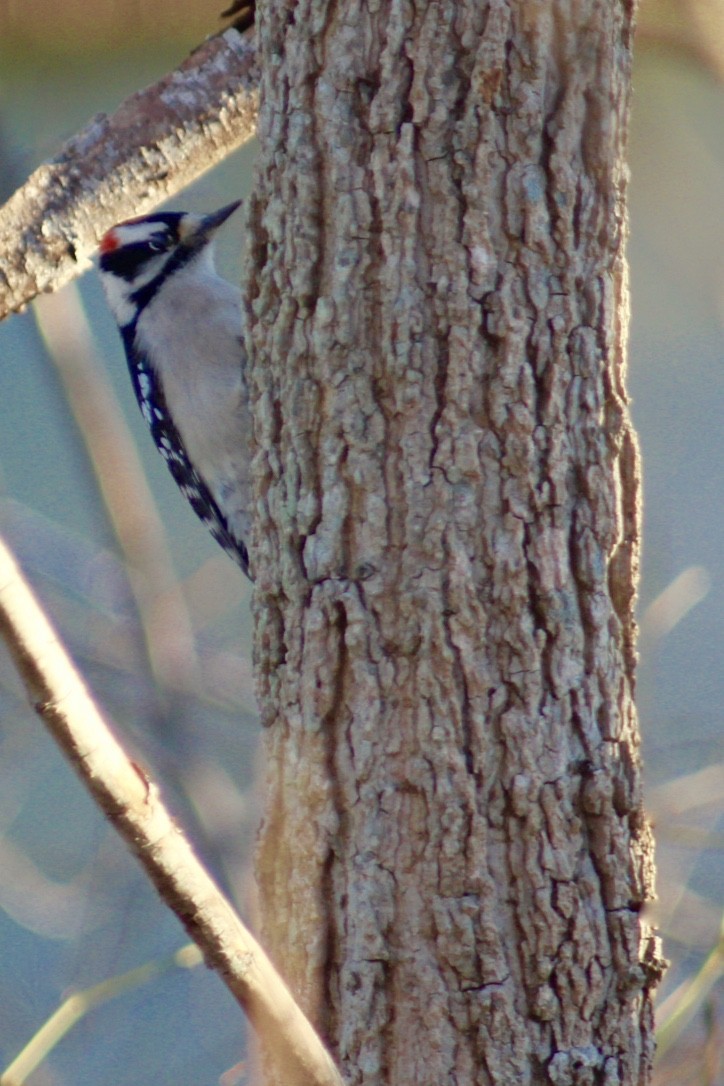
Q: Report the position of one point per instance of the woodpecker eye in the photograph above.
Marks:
(158, 246)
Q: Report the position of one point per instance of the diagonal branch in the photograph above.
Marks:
(131, 802)
(158, 141)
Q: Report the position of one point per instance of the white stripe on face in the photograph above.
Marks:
(129, 233)
(117, 293)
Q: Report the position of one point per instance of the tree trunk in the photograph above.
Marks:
(454, 856)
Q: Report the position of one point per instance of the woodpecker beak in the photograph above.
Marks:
(196, 230)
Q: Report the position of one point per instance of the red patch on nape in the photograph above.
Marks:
(109, 242)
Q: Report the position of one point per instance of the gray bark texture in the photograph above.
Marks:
(454, 855)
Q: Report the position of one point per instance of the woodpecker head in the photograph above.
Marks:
(139, 255)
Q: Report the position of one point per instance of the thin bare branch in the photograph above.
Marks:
(158, 141)
(131, 802)
(78, 1004)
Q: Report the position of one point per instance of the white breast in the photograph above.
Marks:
(191, 333)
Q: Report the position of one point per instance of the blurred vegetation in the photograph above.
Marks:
(158, 618)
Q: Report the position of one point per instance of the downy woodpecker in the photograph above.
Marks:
(181, 327)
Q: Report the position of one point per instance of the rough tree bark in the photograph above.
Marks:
(454, 852)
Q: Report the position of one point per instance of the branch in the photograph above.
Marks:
(131, 802)
(158, 141)
(80, 1003)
